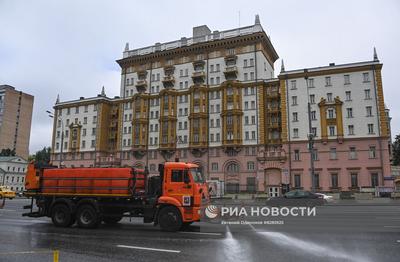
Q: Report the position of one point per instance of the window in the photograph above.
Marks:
(332, 153)
(365, 77)
(329, 96)
(328, 81)
(295, 133)
(214, 166)
(349, 112)
(250, 165)
(246, 76)
(330, 114)
(83, 143)
(251, 62)
(295, 119)
(369, 110)
(297, 181)
(312, 99)
(374, 180)
(315, 154)
(351, 129)
(348, 95)
(294, 100)
(346, 79)
(334, 180)
(367, 93)
(297, 155)
(293, 84)
(353, 153)
(331, 130)
(370, 129)
(354, 180)
(313, 115)
(372, 152)
(314, 131)
(177, 176)
(310, 82)
(316, 181)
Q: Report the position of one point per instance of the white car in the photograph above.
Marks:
(325, 197)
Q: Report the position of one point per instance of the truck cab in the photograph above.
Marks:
(184, 187)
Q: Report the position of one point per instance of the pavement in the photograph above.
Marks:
(360, 232)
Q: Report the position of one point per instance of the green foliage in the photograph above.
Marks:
(7, 152)
(41, 156)
(396, 151)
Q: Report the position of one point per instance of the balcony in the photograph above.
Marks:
(169, 70)
(231, 72)
(141, 86)
(273, 125)
(199, 63)
(271, 156)
(230, 59)
(198, 76)
(168, 81)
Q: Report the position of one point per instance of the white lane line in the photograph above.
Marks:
(201, 233)
(252, 227)
(150, 249)
(392, 226)
(398, 241)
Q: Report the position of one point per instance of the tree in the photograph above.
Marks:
(396, 151)
(42, 157)
(7, 152)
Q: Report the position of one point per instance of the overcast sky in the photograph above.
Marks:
(70, 47)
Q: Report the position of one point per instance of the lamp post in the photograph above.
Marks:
(51, 115)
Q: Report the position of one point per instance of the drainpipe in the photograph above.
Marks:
(256, 87)
(379, 127)
(148, 118)
(289, 133)
(208, 121)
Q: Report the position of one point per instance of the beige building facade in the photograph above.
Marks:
(15, 120)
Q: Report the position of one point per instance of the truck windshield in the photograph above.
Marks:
(197, 175)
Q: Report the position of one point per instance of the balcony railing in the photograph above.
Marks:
(141, 85)
(231, 72)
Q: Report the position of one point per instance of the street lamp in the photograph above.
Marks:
(51, 115)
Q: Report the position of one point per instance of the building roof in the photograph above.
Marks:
(10, 158)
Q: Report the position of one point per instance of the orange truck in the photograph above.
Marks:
(88, 196)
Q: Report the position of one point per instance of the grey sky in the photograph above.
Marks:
(70, 47)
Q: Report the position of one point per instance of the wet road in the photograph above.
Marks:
(336, 233)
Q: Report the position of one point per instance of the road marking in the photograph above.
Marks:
(392, 226)
(151, 249)
(8, 210)
(201, 233)
(252, 227)
(398, 241)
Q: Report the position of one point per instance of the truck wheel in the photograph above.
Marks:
(61, 216)
(170, 219)
(87, 217)
(112, 220)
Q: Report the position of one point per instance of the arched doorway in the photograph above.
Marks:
(232, 179)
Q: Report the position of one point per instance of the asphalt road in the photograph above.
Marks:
(336, 233)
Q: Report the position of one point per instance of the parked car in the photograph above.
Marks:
(6, 192)
(325, 197)
(301, 194)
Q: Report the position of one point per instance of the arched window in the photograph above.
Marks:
(232, 168)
